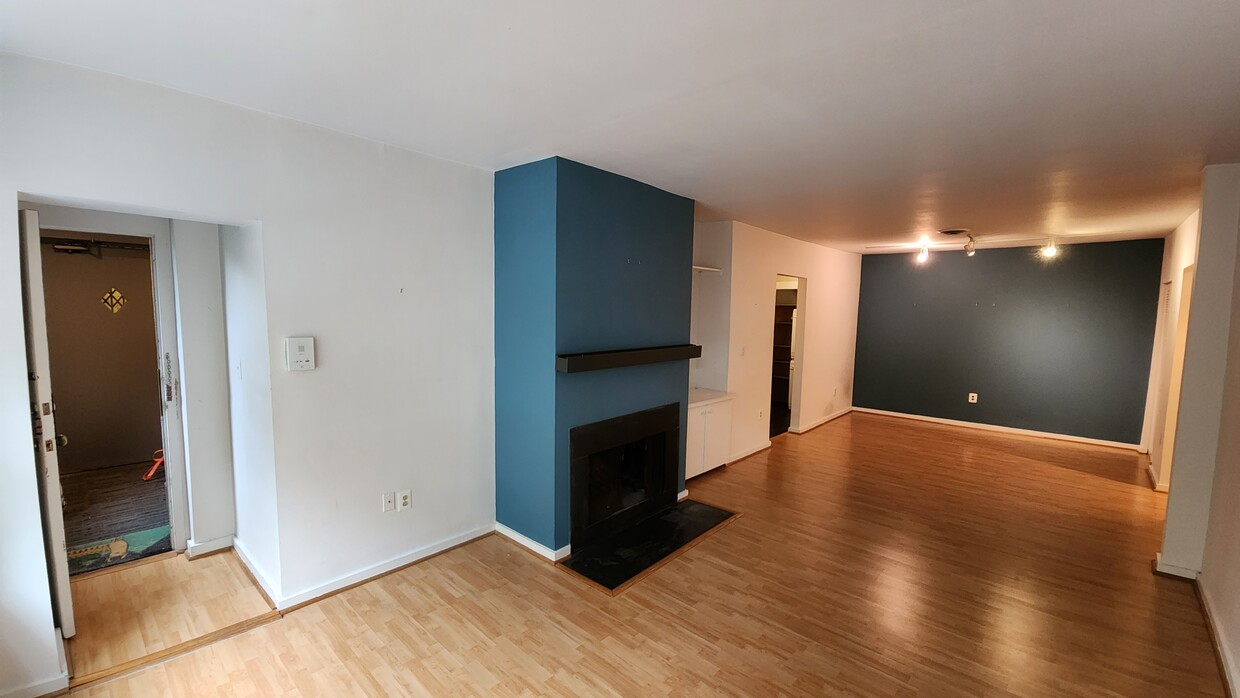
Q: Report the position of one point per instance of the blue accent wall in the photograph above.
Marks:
(1061, 346)
(525, 202)
(585, 260)
(624, 264)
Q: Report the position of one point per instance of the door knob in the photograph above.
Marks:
(62, 440)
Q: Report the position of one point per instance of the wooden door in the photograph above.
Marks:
(43, 422)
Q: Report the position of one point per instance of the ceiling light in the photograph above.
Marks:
(923, 255)
(1050, 250)
(970, 247)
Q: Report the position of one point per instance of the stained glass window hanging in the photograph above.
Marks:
(114, 300)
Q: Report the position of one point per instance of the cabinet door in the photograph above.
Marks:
(718, 446)
(695, 438)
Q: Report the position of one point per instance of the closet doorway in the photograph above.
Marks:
(786, 342)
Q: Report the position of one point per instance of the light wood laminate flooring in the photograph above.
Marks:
(875, 556)
(146, 608)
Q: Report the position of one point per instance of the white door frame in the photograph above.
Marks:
(167, 350)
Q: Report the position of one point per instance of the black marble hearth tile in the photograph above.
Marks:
(615, 560)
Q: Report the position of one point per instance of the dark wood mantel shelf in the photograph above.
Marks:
(618, 358)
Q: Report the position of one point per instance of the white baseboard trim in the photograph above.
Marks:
(194, 549)
(684, 494)
(1174, 570)
(373, 571)
(824, 420)
(538, 548)
(1149, 472)
(39, 688)
(1231, 673)
(248, 560)
(745, 454)
(1001, 429)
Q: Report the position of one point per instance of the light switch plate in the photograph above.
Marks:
(299, 353)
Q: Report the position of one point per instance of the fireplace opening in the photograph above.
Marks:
(623, 470)
(618, 476)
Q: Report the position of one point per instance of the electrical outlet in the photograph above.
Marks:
(389, 502)
(835, 392)
(972, 398)
(760, 414)
(404, 499)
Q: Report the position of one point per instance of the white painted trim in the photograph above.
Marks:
(538, 548)
(40, 688)
(62, 652)
(244, 556)
(1149, 472)
(1002, 430)
(745, 454)
(194, 548)
(684, 494)
(373, 571)
(824, 420)
(1174, 570)
(1230, 670)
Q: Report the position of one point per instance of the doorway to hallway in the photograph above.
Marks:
(102, 347)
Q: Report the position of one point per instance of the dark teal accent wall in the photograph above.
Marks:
(1061, 346)
(525, 201)
(609, 261)
(624, 273)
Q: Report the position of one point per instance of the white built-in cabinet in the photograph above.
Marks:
(708, 431)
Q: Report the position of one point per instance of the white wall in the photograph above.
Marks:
(1180, 253)
(1220, 569)
(709, 323)
(828, 311)
(1205, 363)
(29, 656)
(204, 384)
(257, 531)
(363, 246)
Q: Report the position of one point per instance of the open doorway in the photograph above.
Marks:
(784, 352)
(108, 323)
(103, 352)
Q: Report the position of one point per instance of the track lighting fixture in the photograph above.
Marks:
(923, 255)
(970, 247)
(1049, 251)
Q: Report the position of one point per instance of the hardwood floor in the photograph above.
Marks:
(875, 557)
(148, 608)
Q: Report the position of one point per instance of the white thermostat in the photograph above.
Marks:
(299, 353)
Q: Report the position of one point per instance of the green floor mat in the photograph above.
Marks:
(113, 551)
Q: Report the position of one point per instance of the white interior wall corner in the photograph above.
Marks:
(1206, 354)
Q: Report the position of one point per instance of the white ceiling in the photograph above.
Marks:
(848, 123)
